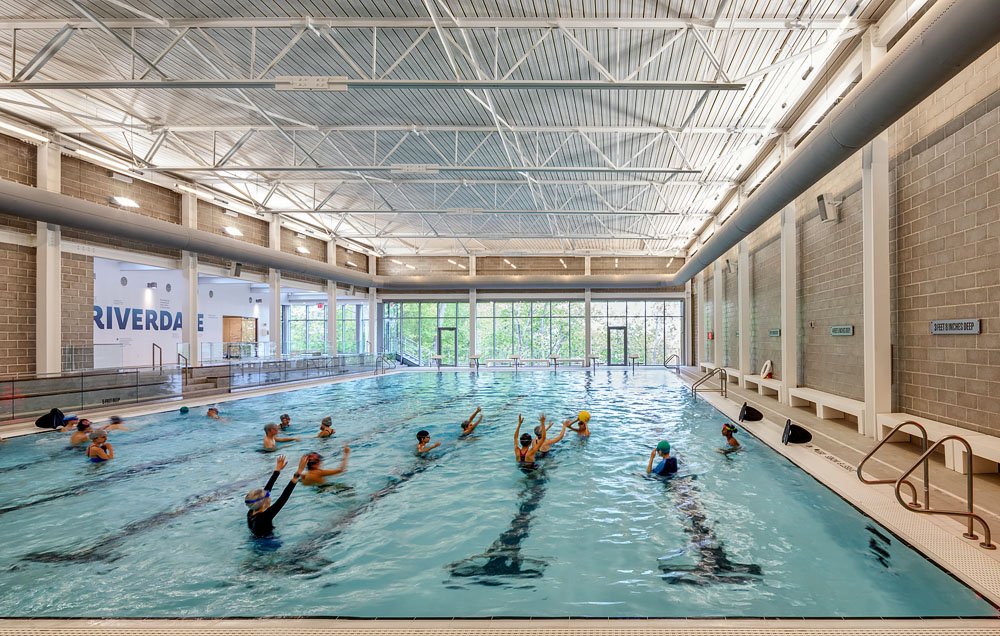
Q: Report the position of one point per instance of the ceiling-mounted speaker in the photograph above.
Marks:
(235, 269)
(829, 208)
(730, 266)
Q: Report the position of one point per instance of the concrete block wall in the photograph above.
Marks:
(765, 295)
(212, 218)
(291, 240)
(77, 308)
(18, 163)
(17, 311)
(830, 286)
(90, 182)
(695, 333)
(945, 156)
(731, 315)
(347, 257)
(422, 265)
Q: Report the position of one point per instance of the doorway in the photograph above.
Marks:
(239, 336)
(617, 346)
(447, 346)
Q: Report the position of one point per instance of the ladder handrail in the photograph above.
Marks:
(969, 514)
(723, 379)
(913, 491)
(157, 348)
(677, 367)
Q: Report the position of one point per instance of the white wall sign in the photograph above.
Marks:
(842, 330)
(961, 326)
(774, 333)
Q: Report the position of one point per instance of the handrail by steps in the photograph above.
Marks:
(157, 349)
(676, 367)
(971, 516)
(723, 379)
(913, 491)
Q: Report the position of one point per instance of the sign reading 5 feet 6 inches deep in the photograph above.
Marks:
(961, 326)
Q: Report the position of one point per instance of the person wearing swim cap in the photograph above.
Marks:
(525, 446)
(82, 433)
(99, 449)
(271, 438)
(424, 443)
(667, 464)
(326, 427)
(285, 422)
(728, 430)
(315, 474)
(581, 421)
(472, 422)
(115, 423)
(213, 413)
(260, 516)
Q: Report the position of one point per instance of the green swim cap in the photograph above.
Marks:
(184, 409)
(663, 447)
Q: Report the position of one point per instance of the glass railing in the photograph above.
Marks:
(225, 351)
(93, 356)
(253, 373)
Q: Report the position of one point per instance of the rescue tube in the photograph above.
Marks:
(795, 434)
(750, 414)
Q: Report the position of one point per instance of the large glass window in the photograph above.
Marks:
(534, 330)
(305, 329)
(419, 330)
(653, 330)
(352, 327)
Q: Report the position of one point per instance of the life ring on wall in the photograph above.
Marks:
(766, 370)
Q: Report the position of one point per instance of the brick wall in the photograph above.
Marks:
(82, 180)
(346, 256)
(946, 250)
(421, 265)
(17, 311)
(18, 163)
(290, 240)
(731, 315)
(830, 286)
(77, 310)
(212, 218)
(765, 295)
(708, 309)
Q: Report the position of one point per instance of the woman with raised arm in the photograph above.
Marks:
(260, 516)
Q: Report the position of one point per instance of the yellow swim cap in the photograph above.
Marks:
(583, 416)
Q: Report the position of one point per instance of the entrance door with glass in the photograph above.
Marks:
(447, 346)
(617, 346)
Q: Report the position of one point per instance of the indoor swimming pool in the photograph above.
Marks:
(161, 531)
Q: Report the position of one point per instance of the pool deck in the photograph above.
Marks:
(830, 458)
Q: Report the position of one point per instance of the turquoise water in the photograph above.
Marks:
(161, 530)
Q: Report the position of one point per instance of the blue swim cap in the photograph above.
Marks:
(184, 410)
(663, 447)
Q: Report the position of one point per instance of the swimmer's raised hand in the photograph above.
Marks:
(520, 419)
(281, 463)
(347, 449)
(302, 463)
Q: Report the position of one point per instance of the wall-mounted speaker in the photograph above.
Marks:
(731, 266)
(235, 269)
(829, 208)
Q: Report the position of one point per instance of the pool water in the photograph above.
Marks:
(161, 532)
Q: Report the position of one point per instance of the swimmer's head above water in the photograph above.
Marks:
(663, 448)
(270, 429)
(285, 420)
(257, 499)
(728, 429)
(313, 460)
(525, 440)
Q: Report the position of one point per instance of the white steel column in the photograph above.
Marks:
(743, 297)
(189, 270)
(586, 314)
(274, 310)
(472, 323)
(372, 309)
(875, 258)
(331, 302)
(701, 331)
(789, 301)
(688, 324)
(718, 289)
(48, 277)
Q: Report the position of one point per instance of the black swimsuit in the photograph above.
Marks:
(262, 523)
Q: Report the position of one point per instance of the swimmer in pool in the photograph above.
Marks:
(213, 413)
(728, 430)
(547, 445)
(326, 427)
(315, 474)
(271, 438)
(525, 446)
(424, 443)
(82, 433)
(667, 464)
(580, 427)
(115, 423)
(260, 516)
(285, 422)
(99, 449)
(470, 424)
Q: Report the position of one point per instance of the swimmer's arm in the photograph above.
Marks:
(478, 411)
(559, 436)
(517, 433)
(649, 466)
(286, 439)
(343, 464)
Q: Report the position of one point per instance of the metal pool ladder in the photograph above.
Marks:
(924, 460)
(675, 367)
(723, 380)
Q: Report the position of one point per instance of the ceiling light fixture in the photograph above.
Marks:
(513, 266)
(302, 249)
(110, 162)
(408, 266)
(23, 132)
(232, 231)
(124, 202)
(392, 260)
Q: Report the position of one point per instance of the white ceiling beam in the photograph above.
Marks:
(341, 84)
(428, 169)
(421, 128)
(895, 20)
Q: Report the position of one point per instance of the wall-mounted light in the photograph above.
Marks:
(829, 208)
(392, 260)
(616, 263)
(452, 262)
(124, 202)
(351, 264)
(302, 249)
(730, 266)
(563, 263)
(150, 285)
(461, 266)
(23, 132)
(408, 266)
(232, 231)
(231, 213)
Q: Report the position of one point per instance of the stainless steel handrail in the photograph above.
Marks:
(676, 367)
(157, 349)
(971, 516)
(913, 491)
(723, 379)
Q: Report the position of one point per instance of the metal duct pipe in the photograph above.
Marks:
(526, 282)
(949, 37)
(52, 207)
